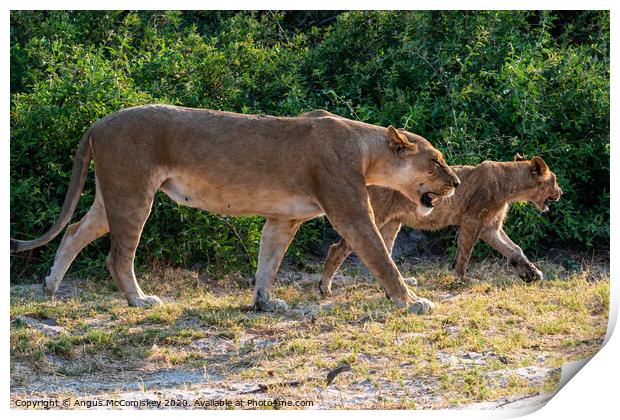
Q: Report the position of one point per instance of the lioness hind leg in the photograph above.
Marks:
(275, 239)
(92, 226)
(126, 219)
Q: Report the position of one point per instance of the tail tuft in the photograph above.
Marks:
(14, 246)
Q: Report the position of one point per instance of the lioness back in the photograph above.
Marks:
(191, 151)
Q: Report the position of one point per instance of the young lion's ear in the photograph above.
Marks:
(519, 158)
(539, 167)
(399, 143)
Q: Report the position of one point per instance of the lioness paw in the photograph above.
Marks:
(272, 305)
(48, 289)
(49, 286)
(403, 301)
(145, 301)
(325, 290)
(421, 306)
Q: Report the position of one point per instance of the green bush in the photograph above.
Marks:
(479, 85)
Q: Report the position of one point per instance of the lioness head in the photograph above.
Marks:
(423, 173)
(546, 188)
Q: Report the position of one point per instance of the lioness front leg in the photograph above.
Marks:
(275, 239)
(355, 224)
(499, 241)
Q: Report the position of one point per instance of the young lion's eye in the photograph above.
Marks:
(436, 163)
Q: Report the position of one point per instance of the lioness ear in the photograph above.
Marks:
(399, 143)
(519, 158)
(539, 167)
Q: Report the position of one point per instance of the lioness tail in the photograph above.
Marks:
(78, 178)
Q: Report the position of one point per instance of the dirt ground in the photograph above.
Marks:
(492, 343)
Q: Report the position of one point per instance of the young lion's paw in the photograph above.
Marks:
(145, 301)
(272, 305)
(422, 306)
(532, 274)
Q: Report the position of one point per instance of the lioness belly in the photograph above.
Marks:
(239, 200)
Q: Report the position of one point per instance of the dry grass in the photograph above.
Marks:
(206, 323)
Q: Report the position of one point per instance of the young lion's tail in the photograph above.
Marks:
(78, 178)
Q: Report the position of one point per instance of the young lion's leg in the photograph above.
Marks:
(389, 232)
(499, 241)
(93, 225)
(341, 250)
(126, 218)
(336, 255)
(354, 222)
(467, 238)
(275, 239)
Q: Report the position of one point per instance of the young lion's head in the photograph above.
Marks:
(545, 188)
(425, 175)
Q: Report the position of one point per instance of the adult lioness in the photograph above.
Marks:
(285, 169)
(478, 208)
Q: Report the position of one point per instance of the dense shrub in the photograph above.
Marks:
(479, 85)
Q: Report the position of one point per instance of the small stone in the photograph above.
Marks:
(47, 327)
(421, 306)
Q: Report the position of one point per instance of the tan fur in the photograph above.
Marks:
(285, 169)
(478, 208)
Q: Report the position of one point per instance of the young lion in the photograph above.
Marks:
(478, 208)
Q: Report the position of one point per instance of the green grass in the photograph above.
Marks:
(478, 84)
(509, 322)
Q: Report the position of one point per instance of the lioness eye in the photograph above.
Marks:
(436, 162)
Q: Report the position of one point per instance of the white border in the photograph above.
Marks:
(593, 393)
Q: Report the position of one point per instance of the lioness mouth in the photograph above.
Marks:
(427, 200)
